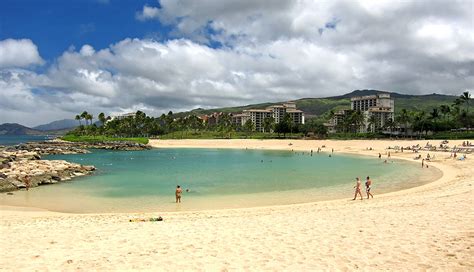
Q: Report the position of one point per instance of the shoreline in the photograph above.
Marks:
(424, 227)
(197, 144)
(184, 143)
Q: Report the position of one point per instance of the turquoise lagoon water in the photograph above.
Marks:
(135, 181)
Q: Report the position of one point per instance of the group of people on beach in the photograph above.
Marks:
(358, 190)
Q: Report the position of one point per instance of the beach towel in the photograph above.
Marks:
(152, 219)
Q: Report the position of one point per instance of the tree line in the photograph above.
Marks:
(442, 118)
(141, 125)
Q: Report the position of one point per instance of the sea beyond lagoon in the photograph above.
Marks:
(144, 181)
(7, 140)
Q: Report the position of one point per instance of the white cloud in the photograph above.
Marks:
(270, 51)
(147, 13)
(19, 53)
(87, 50)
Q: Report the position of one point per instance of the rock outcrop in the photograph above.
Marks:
(25, 169)
(21, 166)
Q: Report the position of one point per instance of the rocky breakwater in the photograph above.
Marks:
(55, 147)
(49, 148)
(115, 145)
(25, 169)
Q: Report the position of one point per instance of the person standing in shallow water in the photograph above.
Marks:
(357, 189)
(178, 194)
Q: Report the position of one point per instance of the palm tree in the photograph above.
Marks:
(102, 118)
(465, 97)
(249, 126)
(420, 119)
(445, 110)
(225, 123)
(404, 118)
(357, 119)
(373, 123)
(84, 114)
(434, 116)
(78, 118)
(390, 124)
(268, 124)
(90, 117)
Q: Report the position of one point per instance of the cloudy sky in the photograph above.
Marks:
(58, 58)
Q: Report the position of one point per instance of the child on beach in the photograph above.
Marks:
(178, 194)
(357, 189)
(368, 183)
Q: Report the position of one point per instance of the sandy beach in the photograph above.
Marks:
(423, 228)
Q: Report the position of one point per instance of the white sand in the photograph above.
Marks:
(427, 227)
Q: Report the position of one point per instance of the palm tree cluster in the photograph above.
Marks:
(89, 128)
(442, 118)
(351, 121)
(86, 116)
(141, 125)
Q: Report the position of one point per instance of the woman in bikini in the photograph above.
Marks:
(357, 189)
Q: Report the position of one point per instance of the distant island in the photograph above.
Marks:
(17, 129)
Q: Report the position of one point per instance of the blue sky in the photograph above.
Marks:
(59, 58)
(55, 25)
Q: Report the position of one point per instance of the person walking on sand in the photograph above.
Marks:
(357, 189)
(178, 194)
(368, 183)
(422, 163)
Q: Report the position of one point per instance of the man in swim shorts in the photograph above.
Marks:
(368, 183)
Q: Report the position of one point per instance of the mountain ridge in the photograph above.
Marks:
(18, 129)
(57, 125)
(314, 107)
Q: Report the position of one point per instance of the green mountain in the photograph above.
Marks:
(58, 125)
(17, 129)
(317, 107)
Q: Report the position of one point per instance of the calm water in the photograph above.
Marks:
(217, 178)
(18, 139)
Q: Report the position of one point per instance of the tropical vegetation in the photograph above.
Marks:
(446, 119)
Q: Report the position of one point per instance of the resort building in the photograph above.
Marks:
(296, 116)
(378, 110)
(337, 120)
(257, 117)
(123, 116)
(277, 112)
(364, 103)
(240, 119)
